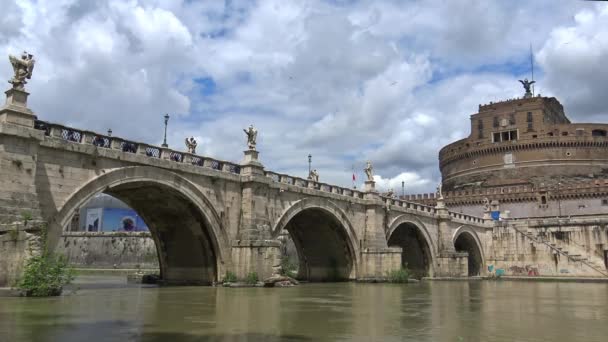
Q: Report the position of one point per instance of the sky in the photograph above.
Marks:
(390, 81)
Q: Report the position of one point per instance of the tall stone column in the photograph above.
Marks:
(20, 216)
(451, 263)
(377, 259)
(254, 250)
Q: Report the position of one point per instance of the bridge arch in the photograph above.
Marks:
(418, 250)
(324, 238)
(465, 239)
(191, 244)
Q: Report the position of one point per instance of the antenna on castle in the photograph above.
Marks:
(532, 65)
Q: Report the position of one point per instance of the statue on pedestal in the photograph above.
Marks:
(314, 175)
(191, 145)
(486, 205)
(390, 193)
(440, 191)
(369, 171)
(252, 135)
(23, 68)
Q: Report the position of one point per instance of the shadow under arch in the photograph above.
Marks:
(324, 238)
(418, 249)
(465, 239)
(191, 245)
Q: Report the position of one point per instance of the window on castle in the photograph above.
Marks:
(598, 133)
(543, 200)
(565, 134)
(505, 136)
(512, 119)
(529, 118)
(605, 201)
(497, 137)
(495, 122)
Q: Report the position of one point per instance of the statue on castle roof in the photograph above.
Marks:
(527, 85)
(23, 68)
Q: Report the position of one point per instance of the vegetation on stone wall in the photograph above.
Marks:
(229, 277)
(288, 267)
(252, 278)
(399, 276)
(45, 274)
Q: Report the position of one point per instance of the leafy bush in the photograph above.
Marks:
(45, 276)
(229, 277)
(399, 276)
(252, 278)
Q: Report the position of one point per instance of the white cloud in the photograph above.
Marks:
(387, 80)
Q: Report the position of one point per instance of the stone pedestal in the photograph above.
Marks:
(444, 231)
(452, 264)
(376, 263)
(370, 186)
(250, 164)
(15, 109)
(260, 256)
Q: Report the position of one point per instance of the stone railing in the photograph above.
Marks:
(116, 143)
(409, 205)
(467, 218)
(307, 183)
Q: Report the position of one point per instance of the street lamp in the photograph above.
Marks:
(309, 161)
(165, 139)
(109, 132)
(403, 189)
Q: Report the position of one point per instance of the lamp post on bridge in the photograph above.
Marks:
(165, 138)
(309, 161)
(403, 189)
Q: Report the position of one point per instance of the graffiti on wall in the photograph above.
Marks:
(528, 270)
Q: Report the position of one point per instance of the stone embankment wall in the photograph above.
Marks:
(109, 250)
(527, 248)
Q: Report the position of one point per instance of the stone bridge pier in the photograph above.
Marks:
(209, 216)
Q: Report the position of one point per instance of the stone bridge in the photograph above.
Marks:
(209, 216)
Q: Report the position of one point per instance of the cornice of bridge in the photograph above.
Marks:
(58, 136)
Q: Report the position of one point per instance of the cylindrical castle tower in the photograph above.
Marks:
(527, 141)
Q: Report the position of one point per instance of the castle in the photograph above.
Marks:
(527, 159)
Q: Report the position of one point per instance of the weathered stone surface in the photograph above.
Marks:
(280, 281)
(210, 217)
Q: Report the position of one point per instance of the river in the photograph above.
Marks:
(107, 309)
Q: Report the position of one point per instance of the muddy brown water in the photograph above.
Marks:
(107, 309)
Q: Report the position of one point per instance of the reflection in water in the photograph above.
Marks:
(429, 311)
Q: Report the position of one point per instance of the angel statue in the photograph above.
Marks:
(369, 171)
(252, 135)
(440, 191)
(527, 85)
(23, 68)
(486, 204)
(191, 145)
